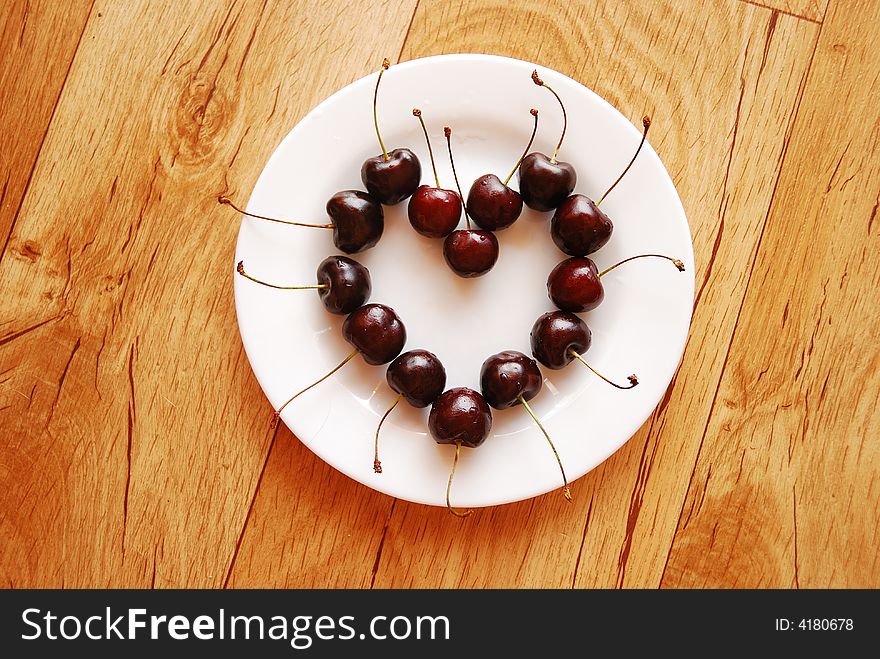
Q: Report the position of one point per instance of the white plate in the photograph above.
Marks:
(641, 327)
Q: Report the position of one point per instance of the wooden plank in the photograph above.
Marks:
(37, 43)
(811, 10)
(785, 491)
(721, 124)
(133, 431)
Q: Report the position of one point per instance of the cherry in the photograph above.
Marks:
(459, 416)
(544, 182)
(390, 177)
(559, 337)
(343, 284)
(468, 252)
(418, 377)
(506, 376)
(348, 284)
(433, 211)
(493, 204)
(573, 285)
(358, 220)
(556, 335)
(511, 378)
(578, 227)
(375, 331)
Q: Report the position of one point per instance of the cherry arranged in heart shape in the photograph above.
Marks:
(392, 176)
(433, 211)
(491, 202)
(545, 182)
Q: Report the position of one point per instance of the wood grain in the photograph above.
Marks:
(784, 492)
(811, 10)
(133, 456)
(135, 448)
(37, 43)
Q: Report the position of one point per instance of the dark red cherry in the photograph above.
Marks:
(555, 334)
(470, 252)
(508, 376)
(393, 178)
(358, 220)
(460, 415)
(545, 184)
(492, 204)
(418, 376)
(376, 332)
(349, 284)
(343, 284)
(574, 285)
(578, 227)
(434, 212)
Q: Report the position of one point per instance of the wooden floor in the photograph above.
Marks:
(135, 447)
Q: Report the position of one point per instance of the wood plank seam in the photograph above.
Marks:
(27, 185)
(577, 563)
(382, 540)
(247, 517)
(782, 11)
(408, 28)
(794, 119)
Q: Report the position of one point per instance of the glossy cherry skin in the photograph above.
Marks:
(578, 226)
(418, 376)
(358, 220)
(393, 179)
(349, 284)
(492, 204)
(554, 334)
(460, 414)
(376, 331)
(470, 252)
(508, 375)
(574, 285)
(544, 185)
(434, 212)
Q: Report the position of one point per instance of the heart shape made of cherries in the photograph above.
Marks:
(460, 416)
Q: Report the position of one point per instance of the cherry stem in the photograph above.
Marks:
(447, 131)
(541, 83)
(377, 465)
(565, 490)
(534, 113)
(646, 123)
(449, 507)
(678, 264)
(418, 114)
(317, 382)
(223, 199)
(633, 380)
(240, 269)
(385, 65)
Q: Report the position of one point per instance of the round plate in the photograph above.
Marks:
(641, 327)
